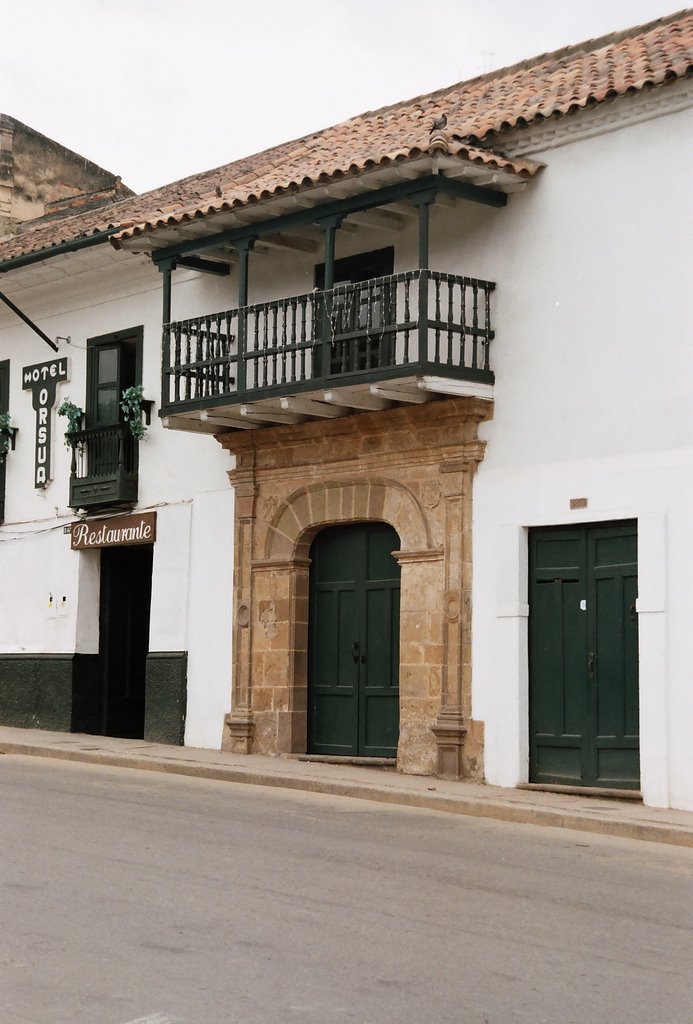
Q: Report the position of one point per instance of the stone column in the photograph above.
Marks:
(238, 734)
(454, 717)
(420, 658)
(293, 730)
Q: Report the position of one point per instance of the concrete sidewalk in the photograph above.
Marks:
(624, 818)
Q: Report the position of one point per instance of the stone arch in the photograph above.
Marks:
(296, 520)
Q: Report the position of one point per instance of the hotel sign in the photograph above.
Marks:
(42, 380)
(119, 531)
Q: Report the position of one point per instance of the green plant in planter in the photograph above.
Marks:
(74, 416)
(131, 404)
(5, 435)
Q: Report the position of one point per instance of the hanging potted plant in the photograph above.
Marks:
(74, 416)
(132, 404)
(7, 435)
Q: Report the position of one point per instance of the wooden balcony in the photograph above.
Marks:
(104, 467)
(401, 338)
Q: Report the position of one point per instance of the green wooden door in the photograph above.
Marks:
(353, 656)
(583, 656)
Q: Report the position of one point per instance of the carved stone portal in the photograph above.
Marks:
(411, 467)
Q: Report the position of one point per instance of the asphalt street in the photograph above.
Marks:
(131, 897)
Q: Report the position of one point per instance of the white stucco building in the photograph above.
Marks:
(451, 382)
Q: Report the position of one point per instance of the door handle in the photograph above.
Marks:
(359, 658)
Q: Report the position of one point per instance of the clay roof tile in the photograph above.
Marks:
(478, 111)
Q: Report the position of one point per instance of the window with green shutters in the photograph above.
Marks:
(114, 363)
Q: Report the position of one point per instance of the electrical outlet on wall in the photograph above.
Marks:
(63, 606)
(52, 609)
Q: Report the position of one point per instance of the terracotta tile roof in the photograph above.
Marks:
(477, 111)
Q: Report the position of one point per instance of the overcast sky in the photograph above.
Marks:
(155, 90)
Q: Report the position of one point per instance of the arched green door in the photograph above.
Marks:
(353, 650)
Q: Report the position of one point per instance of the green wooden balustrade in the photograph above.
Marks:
(406, 324)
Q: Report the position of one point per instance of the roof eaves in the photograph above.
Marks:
(61, 248)
(453, 146)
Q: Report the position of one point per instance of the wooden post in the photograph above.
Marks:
(423, 200)
(166, 268)
(242, 247)
(329, 226)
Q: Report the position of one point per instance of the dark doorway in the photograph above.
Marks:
(126, 587)
(361, 318)
(583, 647)
(353, 657)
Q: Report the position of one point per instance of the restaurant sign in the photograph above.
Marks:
(119, 531)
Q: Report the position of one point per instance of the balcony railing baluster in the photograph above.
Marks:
(451, 292)
(475, 328)
(407, 319)
(273, 344)
(292, 361)
(436, 314)
(177, 363)
(488, 334)
(303, 336)
(283, 345)
(463, 321)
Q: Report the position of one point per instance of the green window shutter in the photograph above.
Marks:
(114, 363)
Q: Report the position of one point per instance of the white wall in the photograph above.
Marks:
(594, 370)
(182, 476)
(209, 618)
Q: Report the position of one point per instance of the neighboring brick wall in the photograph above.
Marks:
(36, 172)
(411, 467)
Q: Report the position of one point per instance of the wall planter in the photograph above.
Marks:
(133, 405)
(74, 416)
(8, 435)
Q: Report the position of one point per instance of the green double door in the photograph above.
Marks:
(583, 656)
(353, 651)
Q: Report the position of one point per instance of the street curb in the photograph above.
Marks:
(476, 807)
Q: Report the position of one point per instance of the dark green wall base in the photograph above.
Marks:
(87, 694)
(63, 693)
(36, 691)
(165, 695)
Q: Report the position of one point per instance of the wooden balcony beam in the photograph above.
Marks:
(456, 388)
(310, 407)
(380, 219)
(204, 266)
(297, 242)
(252, 413)
(190, 424)
(403, 394)
(219, 419)
(355, 399)
(403, 209)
